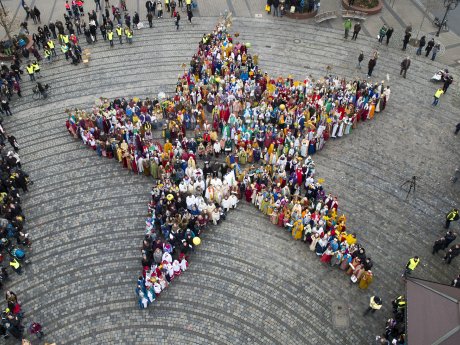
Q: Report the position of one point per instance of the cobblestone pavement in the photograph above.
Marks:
(249, 282)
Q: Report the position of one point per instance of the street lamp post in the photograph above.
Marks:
(449, 5)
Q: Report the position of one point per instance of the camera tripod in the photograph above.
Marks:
(412, 184)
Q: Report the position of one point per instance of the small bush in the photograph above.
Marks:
(366, 3)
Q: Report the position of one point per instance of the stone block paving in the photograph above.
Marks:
(249, 282)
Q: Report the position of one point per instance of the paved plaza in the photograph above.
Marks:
(249, 282)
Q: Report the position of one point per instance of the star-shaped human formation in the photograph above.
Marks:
(260, 133)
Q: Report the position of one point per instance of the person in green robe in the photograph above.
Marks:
(242, 157)
(154, 169)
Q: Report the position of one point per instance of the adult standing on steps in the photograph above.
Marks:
(347, 25)
(110, 36)
(159, 9)
(405, 64)
(119, 31)
(382, 33)
(189, 14)
(177, 20)
(371, 65)
(360, 59)
(356, 30)
(150, 19)
(447, 83)
(406, 40)
(421, 44)
(276, 4)
(436, 49)
(429, 46)
(389, 34)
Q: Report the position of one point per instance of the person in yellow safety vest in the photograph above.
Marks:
(65, 50)
(399, 304)
(452, 216)
(30, 71)
(15, 265)
(167, 5)
(188, 2)
(110, 37)
(411, 264)
(64, 39)
(36, 67)
(50, 44)
(47, 53)
(119, 31)
(129, 35)
(437, 95)
(375, 303)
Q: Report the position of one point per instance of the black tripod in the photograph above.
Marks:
(412, 183)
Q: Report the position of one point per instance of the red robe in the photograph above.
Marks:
(248, 194)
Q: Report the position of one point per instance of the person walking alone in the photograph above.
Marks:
(406, 40)
(347, 25)
(371, 65)
(360, 59)
(436, 96)
(177, 20)
(405, 64)
(356, 30)
(411, 265)
(452, 216)
(421, 44)
(375, 303)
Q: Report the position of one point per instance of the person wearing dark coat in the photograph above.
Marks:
(405, 64)
(13, 142)
(429, 46)
(452, 253)
(421, 44)
(389, 34)
(443, 242)
(371, 66)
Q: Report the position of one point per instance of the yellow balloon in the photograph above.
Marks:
(196, 241)
(282, 107)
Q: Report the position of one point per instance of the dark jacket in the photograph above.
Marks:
(405, 64)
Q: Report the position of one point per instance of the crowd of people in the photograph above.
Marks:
(261, 132)
(14, 241)
(12, 320)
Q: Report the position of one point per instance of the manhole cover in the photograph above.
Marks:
(340, 314)
(297, 41)
(258, 15)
